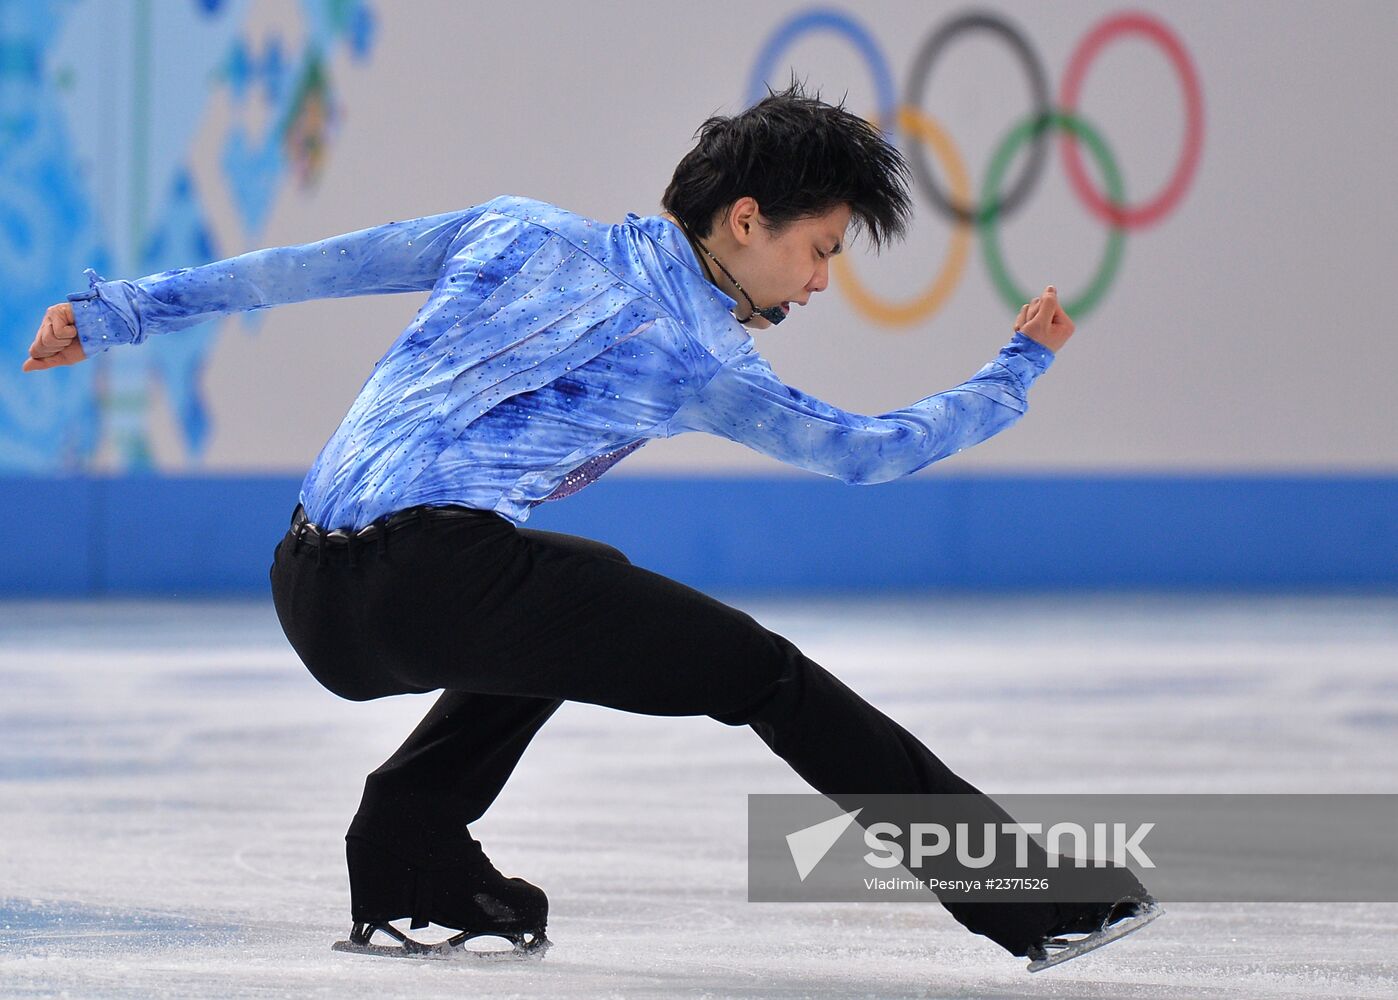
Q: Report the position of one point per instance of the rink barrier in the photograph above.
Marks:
(184, 536)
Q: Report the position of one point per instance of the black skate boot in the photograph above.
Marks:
(466, 895)
(1094, 925)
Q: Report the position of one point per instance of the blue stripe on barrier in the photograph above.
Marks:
(185, 536)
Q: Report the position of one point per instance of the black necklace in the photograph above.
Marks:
(772, 314)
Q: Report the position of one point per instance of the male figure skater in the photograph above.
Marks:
(550, 347)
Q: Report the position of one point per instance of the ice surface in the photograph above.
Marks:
(174, 790)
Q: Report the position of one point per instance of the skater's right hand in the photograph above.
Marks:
(1044, 320)
(57, 342)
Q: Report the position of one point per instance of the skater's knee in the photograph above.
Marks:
(353, 689)
(354, 682)
(780, 681)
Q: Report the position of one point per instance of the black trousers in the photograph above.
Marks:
(511, 622)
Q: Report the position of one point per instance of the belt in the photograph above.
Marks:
(306, 532)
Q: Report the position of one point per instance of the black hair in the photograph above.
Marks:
(797, 156)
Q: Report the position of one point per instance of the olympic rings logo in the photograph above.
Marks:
(955, 200)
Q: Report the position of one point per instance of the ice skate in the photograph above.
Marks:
(1125, 916)
(525, 944)
(467, 895)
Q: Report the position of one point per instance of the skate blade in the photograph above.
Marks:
(454, 949)
(1097, 939)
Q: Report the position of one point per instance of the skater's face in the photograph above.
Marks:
(784, 265)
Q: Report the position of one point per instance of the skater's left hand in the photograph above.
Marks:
(57, 342)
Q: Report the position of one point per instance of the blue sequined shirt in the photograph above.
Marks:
(550, 346)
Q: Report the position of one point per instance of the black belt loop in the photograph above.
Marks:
(422, 519)
(383, 540)
(320, 551)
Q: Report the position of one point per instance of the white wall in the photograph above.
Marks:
(1250, 329)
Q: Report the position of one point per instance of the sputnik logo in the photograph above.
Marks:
(812, 843)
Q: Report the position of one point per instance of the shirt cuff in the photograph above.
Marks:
(99, 325)
(1026, 358)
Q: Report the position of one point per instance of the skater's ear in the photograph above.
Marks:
(743, 216)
